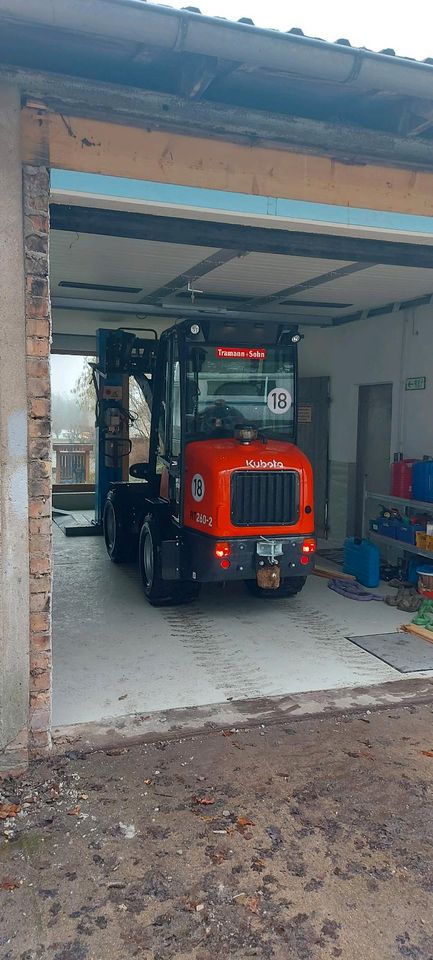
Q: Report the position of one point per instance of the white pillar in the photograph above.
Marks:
(14, 541)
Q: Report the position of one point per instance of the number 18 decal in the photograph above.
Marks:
(197, 487)
(279, 400)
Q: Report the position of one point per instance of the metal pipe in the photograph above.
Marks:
(183, 31)
(170, 310)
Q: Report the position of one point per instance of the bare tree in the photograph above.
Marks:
(84, 391)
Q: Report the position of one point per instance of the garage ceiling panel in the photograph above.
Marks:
(119, 262)
(375, 286)
(259, 275)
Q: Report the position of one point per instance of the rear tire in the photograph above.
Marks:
(149, 558)
(160, 592)
(117, 537)
(289, 587)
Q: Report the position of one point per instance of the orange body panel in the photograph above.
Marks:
(209, 465)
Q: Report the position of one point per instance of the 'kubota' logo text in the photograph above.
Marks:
(265, 464)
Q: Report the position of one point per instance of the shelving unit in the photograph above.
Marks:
(400, 501)
(389, 501)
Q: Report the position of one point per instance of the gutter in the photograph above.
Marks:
(181, 31)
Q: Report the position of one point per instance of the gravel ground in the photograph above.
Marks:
(310, 840)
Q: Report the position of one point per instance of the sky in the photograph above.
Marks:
(376, 24)
(65, 372)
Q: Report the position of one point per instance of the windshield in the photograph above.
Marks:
(230, 386)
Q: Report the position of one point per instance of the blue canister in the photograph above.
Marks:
(362, 560)
(422, 480)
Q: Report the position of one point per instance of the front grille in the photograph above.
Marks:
(264, 497)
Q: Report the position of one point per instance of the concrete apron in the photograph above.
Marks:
(187, 722)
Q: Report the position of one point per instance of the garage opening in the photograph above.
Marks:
(365, 321)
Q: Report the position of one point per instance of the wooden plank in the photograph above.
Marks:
(134, 106)
(93, 146)
(418, 631)
(322, 570)
(206, 233)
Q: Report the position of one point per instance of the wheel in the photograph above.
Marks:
(158, 591)
(149, 558)
(120, 547)
(289, 587)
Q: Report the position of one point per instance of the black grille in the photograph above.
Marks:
(264, 497)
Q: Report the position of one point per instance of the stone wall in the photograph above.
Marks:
(38, 338)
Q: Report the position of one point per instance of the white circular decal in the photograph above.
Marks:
(279, 400)
(197, 487)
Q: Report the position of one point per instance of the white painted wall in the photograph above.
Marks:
(379, 350)
(384, 349)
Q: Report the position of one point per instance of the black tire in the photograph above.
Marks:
(185, 592)
(120, 547)
(289, 587)
(149, 559)
(160, 592)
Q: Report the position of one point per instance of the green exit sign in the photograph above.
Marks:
(415, 383)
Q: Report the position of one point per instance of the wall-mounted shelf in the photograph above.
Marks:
(399, 545)
(388, 501)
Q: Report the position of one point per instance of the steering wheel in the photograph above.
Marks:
(220, 415)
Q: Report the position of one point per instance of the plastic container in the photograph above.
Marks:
(422, 480)
(424, 542)
(386, 527)
(401, 478)
(407, 532)
(425, 581)
(362, 559)
(412, 571)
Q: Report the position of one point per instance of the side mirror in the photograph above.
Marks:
(140, 471)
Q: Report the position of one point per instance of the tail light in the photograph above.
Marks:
(309, 545)
(222, 549)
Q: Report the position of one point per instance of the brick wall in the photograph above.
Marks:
(38, 337)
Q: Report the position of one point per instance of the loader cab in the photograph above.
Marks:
(207, 387)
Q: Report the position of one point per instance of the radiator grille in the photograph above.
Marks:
(264, 497)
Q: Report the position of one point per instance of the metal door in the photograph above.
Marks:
(374, 443)
(313, 434)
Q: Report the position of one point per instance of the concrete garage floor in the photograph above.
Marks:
(316, 843)
(114, 655)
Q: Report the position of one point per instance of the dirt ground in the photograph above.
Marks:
(311, 840)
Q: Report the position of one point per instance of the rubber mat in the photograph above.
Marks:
(403, 651)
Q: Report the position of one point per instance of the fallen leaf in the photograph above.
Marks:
(8, 884)
(253, 904)
(228, 733)
(116, 751)
(75, 812)
(258, 865)
(204, 801)
(244, 822)
(123, 697)
(209, 820)
(194, 905)
(217, 856)
(9, 810)
(148, 782)
(427, 753)
(83, 796)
